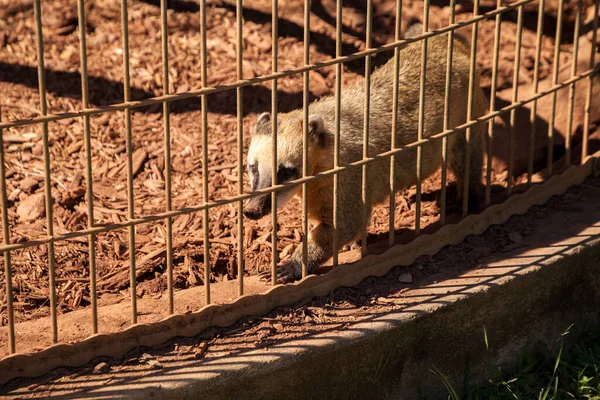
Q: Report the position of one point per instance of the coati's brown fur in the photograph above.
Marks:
(321, 142)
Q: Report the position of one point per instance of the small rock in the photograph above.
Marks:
(145, 357)
(278, 326)
(406, 278)
(515, 237)
(202, 350)
(29, 184)
(32, 208)
(186, 152)
(151, 361)
(102, 367)
(385, 300)
(155, 364)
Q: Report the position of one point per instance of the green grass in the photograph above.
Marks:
(545, 373)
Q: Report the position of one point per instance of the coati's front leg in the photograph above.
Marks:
(320, 242)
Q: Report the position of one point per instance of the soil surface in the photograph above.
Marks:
(19, 99)
(522, 244)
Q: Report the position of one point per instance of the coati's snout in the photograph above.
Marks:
(258, 207)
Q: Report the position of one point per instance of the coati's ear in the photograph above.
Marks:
(262, 124)
(316, 128)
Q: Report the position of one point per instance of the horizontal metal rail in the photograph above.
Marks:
(266, 78)
(290, 184)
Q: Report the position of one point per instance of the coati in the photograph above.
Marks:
(321, 143)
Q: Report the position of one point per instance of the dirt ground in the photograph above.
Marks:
(20, 99)
(399, 289)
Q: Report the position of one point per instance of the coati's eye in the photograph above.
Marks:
(285, 174)
(253, 169)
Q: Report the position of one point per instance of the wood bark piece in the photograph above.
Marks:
(32, 208)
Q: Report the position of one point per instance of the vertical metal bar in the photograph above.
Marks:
(204, 104)
(448, 88)
(6, 239)
(421, 126)
(240, 144)
(167, 129)
(555, 66)
(392, 233)
(366, 120)
(588, 99)
(85, 98)
(572, 88)
(47, 182)
(305, 101)
(515, 95)
(465, 205)
(336, 137)
(129, 145)
(274, 55)
(536, 81)
(490, 149)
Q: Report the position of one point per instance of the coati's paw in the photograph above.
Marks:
(286, 273)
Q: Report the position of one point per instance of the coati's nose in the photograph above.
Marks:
(258, 207)
(252, 212)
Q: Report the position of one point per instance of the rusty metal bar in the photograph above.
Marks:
(253, 81)
(296, 182)
(588, 99)
(421, 126)
(6, 239)
(167, 139)
(85, 99)
(274, 55)
(515, 95)
(536, 85)
(490, 149)
(366, 120)
(395, 89)
(447, 92)
(129, 145)
(240, 143)
(473, 58)
(336, 135)
(575, 55)
(555, 68)
(47, 181)
(305, 104)
(205, 194)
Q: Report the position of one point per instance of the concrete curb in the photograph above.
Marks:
(520, 298)
(389, 356)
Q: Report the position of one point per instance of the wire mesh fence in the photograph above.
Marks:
(469, 127)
